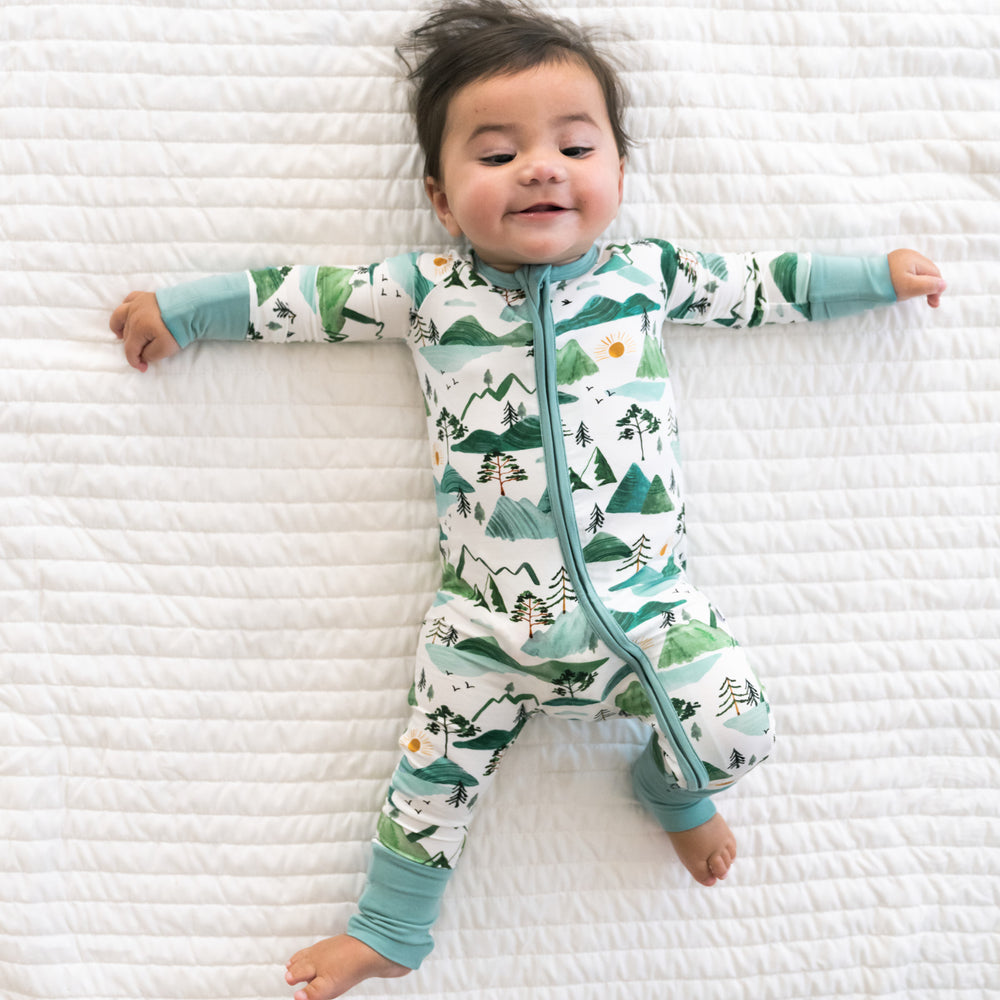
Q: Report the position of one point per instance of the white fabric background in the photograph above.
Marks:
(213, 574)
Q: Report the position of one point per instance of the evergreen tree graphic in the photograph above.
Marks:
(444, 720)
(450, 428)
(736, 760)
(510, 416)
(639, 556)
(464, 507)
(583, 437)
(732, 694)
(634, 423)
(444, 632)
(479, 514)
(596, 520)
(531, 609)
(562, 588)
(571, 682)
(501, 468)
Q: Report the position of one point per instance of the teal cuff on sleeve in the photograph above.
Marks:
(398, 907)
(215, 308)
(842, 286)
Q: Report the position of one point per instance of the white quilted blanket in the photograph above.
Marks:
(213, 574)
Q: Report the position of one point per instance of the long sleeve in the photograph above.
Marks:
(746, 290)
(297, 303)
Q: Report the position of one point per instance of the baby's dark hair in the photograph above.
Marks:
(467, 40)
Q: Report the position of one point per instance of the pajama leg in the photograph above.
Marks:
(724, 714)
(461, 725)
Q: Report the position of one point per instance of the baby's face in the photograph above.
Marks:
(530, 172)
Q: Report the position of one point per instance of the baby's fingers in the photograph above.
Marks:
(120, 316)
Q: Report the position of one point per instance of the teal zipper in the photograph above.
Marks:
(535, 283)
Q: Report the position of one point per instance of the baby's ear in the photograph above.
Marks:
(439, 200)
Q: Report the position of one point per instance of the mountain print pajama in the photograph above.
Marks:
(553, 436)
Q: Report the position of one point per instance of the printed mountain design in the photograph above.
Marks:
(499, 393)
(571, 634)
(469, 332)
(637, 495)
(687, 642)
(606, 548)
(393, 836)
(452, 482)
(573, 363)
(513, 519)
(651, 609)
(634, 701)
(525, 434)
(650, 581)
(459, 571)
(600, 309)
(475, 657)
(652, 364)
(430, 780)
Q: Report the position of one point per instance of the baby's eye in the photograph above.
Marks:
(575, 152)
(497, 159)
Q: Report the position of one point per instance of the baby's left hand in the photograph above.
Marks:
(913, 274)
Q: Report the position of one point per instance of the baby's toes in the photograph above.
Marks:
(299, 969)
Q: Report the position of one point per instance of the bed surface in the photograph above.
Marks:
(213, 575)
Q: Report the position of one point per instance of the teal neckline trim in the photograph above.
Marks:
(535, 284)
(531, 274)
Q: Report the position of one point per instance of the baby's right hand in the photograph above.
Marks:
(138, 324)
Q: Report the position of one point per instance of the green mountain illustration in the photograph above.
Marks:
(650, 581)
(652, 364)
(570, 635)
(690, 640)
(499, 393)
(430, 780)
(512, 519)
(573, 363)
(606, 548)
(459, 570)
(475, 657)
(523, 435)
(637, 495)
(651, 609)
(631, 492)
(408, 845)
(600, 309)
(452, 482)
(469, 332)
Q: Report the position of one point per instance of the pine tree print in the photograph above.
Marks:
(732, 694)
(596, 520)
(583, 437)
(500, 468)
(639, 556)
(562, 588)
(449, 428)
(464, 507)
(531, 609)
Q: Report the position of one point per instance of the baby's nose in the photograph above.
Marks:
(543, 166)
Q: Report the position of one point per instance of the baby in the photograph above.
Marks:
(554, 446)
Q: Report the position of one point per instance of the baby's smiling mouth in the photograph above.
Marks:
(541, 208)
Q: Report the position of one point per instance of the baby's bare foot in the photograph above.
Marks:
(331, 967)
(707, 851)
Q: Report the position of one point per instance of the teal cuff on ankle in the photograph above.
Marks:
(398, 907)
(675, 808)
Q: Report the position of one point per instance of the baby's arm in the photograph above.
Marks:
(914, 275)
(138, 324)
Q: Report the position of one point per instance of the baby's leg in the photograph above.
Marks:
(331, 967)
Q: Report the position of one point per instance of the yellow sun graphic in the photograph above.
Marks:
(441, 265)
(416, 741)
(615, 345)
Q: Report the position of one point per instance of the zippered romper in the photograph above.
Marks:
(564, 591)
